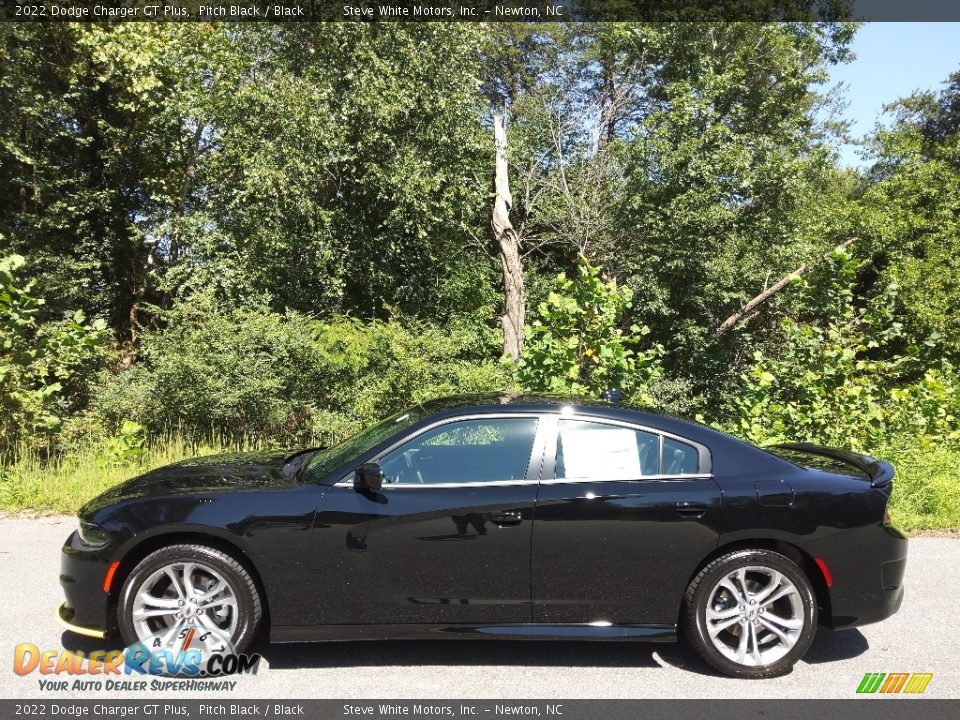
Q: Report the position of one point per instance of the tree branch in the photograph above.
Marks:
(775, 288)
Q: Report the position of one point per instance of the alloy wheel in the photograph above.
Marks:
(754, 616)
(182, 595)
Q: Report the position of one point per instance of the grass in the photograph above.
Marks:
(926, 489)
(926, 492)
(64, 484)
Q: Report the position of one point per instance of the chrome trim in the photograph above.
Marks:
(78, 629)
(561, 481)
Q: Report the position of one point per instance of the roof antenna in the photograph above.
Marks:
(614, 396)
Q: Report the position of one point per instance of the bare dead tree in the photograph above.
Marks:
(509, 242)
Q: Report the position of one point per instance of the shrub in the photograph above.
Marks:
(577, 344)
(44, 368)
(288, 378)
(828, 382)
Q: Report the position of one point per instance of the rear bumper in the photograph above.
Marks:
(868, 577)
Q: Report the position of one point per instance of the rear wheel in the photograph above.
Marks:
(750, 613)
(189, 586)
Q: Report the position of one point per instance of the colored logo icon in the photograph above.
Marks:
(893, 683)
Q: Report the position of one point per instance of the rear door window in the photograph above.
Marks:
(588, 450)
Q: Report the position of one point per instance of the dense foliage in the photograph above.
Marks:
(288, 377)
(44, 369)
(577, 345)
(280, 233)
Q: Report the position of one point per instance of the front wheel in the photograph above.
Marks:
(183, 587)
(750, 613)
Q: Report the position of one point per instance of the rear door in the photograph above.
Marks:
(624, 515)
(447, 539)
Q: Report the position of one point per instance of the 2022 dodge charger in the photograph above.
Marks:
(502, 516)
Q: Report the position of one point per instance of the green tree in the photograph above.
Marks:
(914, 204)
(841, 376)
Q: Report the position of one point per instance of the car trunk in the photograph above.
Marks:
(877, 472)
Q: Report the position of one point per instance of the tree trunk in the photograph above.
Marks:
(509, 242)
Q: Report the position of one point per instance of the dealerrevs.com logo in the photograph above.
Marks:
(188, 660)
(894, 683)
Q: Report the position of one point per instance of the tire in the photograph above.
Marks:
(759, 639)
(219, 582)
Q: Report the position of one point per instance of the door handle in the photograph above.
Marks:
(691, 509)
(507, 517)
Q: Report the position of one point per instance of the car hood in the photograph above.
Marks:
(214, 473)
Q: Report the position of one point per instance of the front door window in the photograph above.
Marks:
(469, 451)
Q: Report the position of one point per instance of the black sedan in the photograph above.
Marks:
(502, 516)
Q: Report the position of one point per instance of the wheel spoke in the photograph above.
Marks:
(789, 624)
(741, 576)
(722, 614)
(742, 646)
(228, 601)
(784, 638)
(175, 581)
(210, 625)
(770, 589)
(169, 636)
(157, 602)
(732, 589)
(716, 629)
(782, 593)
(187, 575)
(218, 588)
(755, 645)
(161, 612)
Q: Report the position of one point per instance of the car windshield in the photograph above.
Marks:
(330, 459)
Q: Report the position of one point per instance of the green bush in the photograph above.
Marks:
(578, 346)
(288, 378)
(44, 368)
(833, 378)
(926, 492)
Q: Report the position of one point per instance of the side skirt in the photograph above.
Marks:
(330, 633)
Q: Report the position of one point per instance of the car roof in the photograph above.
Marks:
(514, 402)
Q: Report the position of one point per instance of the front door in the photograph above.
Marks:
(623, 517)
(447, 539)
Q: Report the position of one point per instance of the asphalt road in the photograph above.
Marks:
(923, 637)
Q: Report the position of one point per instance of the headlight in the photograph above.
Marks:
(93, 535)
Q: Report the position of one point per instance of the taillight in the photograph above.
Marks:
(827, 577)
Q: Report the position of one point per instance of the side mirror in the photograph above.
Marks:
(368, 476)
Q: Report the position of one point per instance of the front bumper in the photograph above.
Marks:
(87, 607)
(65, 618)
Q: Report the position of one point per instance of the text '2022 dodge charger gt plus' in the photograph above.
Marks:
(501, 516)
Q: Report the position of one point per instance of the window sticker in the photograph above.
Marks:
(591, 450)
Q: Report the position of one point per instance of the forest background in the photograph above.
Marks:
(219, 236)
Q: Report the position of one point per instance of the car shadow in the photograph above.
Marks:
(828, 646)
(833, 645)
(86, 645)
